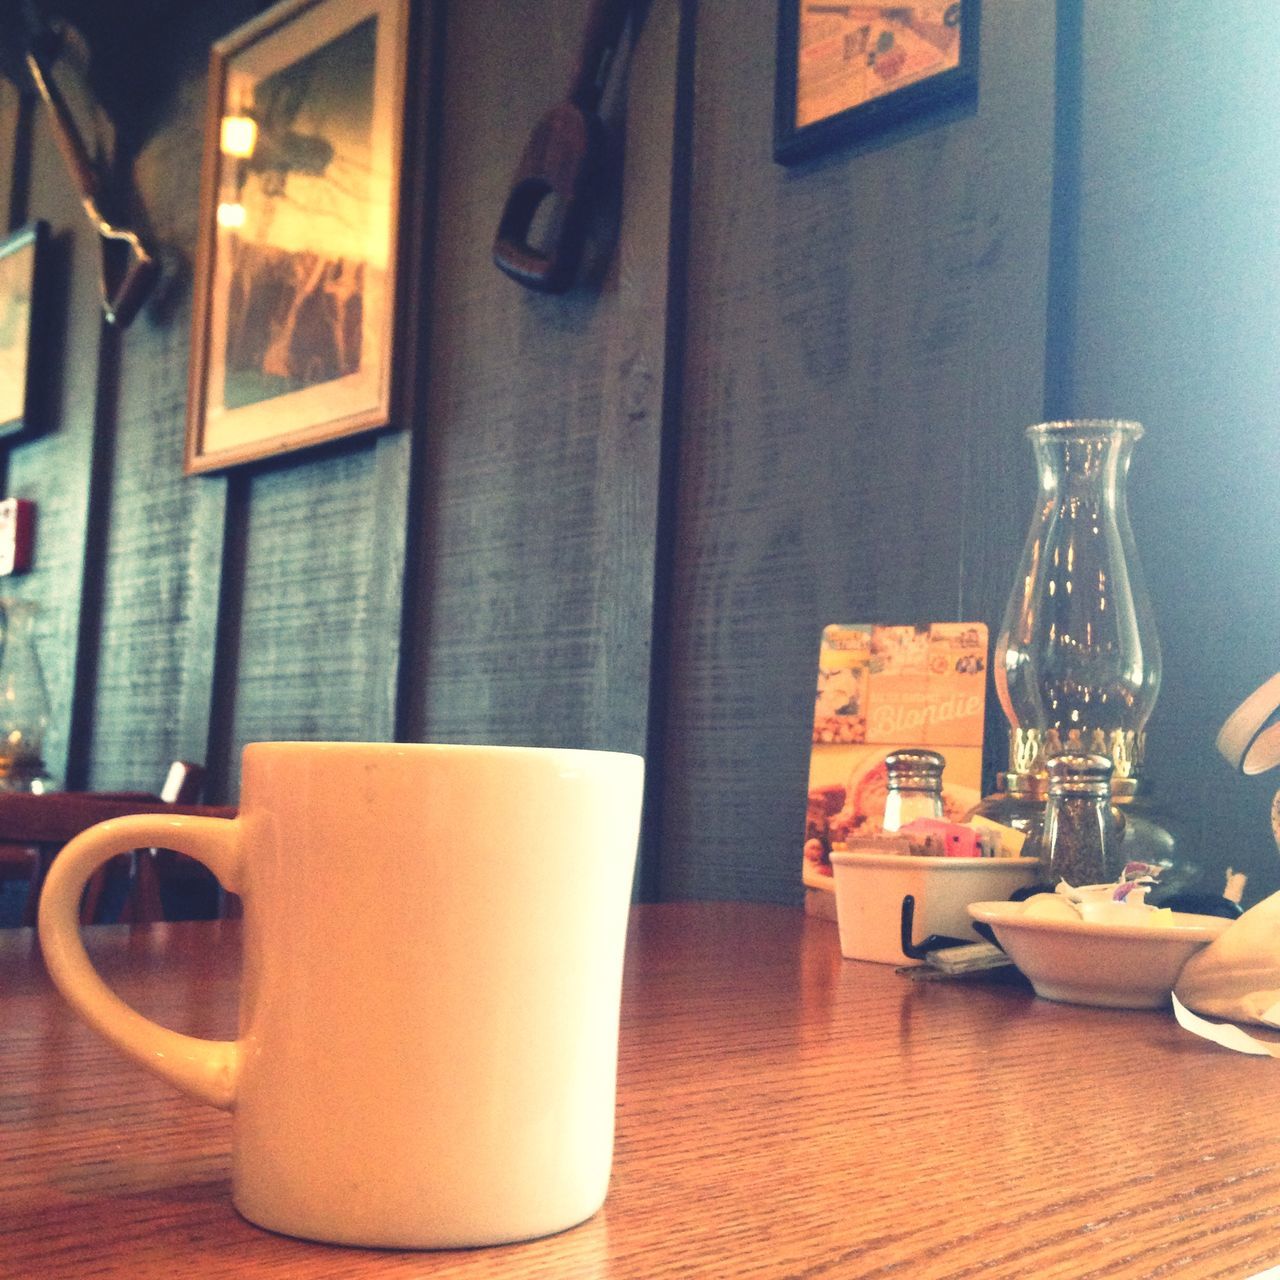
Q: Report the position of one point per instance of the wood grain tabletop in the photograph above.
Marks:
(57, 816)
(781, 1113)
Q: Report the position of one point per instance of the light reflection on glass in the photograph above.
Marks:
(238, 136)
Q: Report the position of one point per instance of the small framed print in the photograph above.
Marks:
(293, 335)
(847, 71)
(21, 255)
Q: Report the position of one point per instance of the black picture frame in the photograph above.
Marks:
(22, 255)
(952, 84)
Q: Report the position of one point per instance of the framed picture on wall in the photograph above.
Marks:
(847, 71)
(293, 336)
(21, 255)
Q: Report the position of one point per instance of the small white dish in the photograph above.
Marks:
(1113, 964)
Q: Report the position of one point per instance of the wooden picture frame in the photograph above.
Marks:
(848, 71)
(21, 256)
(294, 333)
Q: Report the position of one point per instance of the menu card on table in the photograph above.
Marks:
(881, 688)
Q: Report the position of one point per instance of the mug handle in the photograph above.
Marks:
(205, 1069)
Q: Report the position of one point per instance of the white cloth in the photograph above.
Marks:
(1237, 976)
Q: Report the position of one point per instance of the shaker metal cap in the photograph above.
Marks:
(914, 767)
(1077, 774)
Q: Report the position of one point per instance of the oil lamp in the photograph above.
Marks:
(24, 701)
(1077, 662)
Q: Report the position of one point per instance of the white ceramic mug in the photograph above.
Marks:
(433, 944)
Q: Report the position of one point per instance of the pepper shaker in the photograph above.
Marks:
(1081, 842)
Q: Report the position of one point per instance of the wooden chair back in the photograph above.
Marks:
(34, 827)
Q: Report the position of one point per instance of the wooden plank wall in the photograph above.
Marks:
(865, 341)
(621, 518)
(186, 616)
(156, 558)
(272, 602)
(1176, 321)
(545, 413)
(60, 469)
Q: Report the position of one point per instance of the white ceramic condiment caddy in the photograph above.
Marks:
(872, 879)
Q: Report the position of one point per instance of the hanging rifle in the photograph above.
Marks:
(126, 268)
(563, 167)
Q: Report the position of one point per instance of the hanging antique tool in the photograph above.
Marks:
(126, 268)
(559, 179)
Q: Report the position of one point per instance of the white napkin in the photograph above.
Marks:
(1227, 1034)
(1237, 976)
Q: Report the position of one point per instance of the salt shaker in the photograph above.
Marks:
(915, 787)
(1080, 843)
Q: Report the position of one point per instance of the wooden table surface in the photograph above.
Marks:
(781, 1113)
(56, 816)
